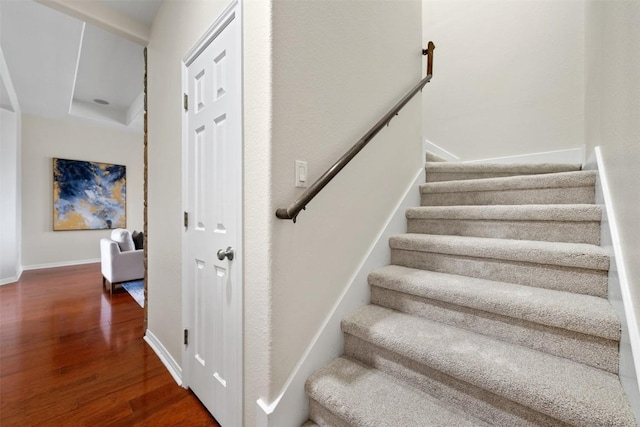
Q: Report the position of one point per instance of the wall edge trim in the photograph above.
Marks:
(569, 155)
(165, 357)
(9, 280)
(630, 313)
(60, 264)
(5, 76)
(439, 151)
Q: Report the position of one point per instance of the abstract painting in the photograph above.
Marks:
(88, 195)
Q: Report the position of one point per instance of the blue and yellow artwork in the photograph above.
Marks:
(88, 195)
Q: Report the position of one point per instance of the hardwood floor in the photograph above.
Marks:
(72, 355)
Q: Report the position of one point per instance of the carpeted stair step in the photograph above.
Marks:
(310, 424)
(487, 377)
(453, 171)
(552, 188)
(579, 327)
(571, 267)
(552, 223)
(346, 393)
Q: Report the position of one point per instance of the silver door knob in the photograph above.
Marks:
(226, 254)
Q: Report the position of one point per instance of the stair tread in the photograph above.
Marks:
(523, 168)
(558, 387)
(310, 424)
(577, 212)
(579, 313)
(580, 255)
(364, 396)
(519, 182)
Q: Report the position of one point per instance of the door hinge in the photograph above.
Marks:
(186, 102)
(186, 337)
(186, 219)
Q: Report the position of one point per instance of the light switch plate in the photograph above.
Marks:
(302, 176)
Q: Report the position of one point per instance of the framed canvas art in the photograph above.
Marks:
(88, 195)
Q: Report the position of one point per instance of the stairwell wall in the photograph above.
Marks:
(508, 77)
(612, 111)
(338, 66)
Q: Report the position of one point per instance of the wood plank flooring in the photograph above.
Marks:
(72, 355)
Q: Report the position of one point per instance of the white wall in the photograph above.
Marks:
(338, 66)
(10, 267)
(508, 76)
(259, 207)
(612, 113)
(10, 179)
(42, 140)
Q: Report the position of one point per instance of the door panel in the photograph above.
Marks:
(213, 286)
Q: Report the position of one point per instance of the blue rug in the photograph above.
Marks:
(136, 290)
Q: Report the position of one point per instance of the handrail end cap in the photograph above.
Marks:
(282, 213)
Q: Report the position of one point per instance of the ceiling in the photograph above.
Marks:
(60, 65)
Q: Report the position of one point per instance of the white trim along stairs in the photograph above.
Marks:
(493, 311)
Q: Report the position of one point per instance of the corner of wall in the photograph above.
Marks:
(165, 357)
(428, 146)
(19, 195)
(16, 256)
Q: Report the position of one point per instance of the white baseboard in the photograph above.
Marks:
(291, 407)
(60, 264)
(619, 292)
(571, 155)
(439, 151)
(169, 362)
(9, 280)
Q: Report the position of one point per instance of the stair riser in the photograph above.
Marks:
(577, 280)
(477, 402)
(323, 417)
(548, 231)
(535, 196)
(593, 351)
(461, 176)
(444, 171)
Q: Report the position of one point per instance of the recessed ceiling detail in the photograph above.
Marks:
(109, 67)
(62, 67)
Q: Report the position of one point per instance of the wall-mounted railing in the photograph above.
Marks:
(301, 203)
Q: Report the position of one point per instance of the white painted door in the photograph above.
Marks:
(212, 254)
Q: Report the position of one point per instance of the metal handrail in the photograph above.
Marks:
(301, 202)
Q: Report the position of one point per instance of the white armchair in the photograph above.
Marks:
(120, 261)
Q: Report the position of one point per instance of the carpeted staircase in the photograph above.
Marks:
(492, 312)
